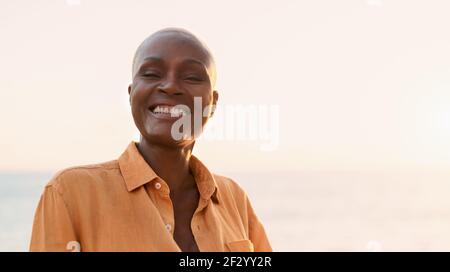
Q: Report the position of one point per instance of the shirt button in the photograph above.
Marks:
(168, 227)
(158, 186)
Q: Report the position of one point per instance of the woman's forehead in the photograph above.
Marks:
(173, 44)
(167, 47)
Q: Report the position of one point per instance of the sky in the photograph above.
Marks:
(360, 84)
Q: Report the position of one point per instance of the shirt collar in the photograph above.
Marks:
(137, 172)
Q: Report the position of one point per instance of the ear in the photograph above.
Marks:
(214, 103)
(129, 93)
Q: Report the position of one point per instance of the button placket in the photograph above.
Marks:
(166, 205)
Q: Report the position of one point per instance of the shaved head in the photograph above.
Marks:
(175, 35)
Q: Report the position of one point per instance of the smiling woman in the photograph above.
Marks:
(156, 196)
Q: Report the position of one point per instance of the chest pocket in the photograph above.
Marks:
(240, 246)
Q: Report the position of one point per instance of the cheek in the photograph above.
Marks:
(138, 99)
(136, 105)
(140, 94)
(207, 103)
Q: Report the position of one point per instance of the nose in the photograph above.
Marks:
(170, 87)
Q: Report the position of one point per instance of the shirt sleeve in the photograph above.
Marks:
(52, 227)
(257, 234)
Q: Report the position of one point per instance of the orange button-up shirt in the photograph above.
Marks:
(123, 205)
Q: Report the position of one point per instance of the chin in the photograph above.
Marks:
(167, 140)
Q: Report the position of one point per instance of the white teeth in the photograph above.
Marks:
(173, 111)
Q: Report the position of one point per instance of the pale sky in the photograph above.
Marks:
(361, 84)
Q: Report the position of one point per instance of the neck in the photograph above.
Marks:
(163, 160)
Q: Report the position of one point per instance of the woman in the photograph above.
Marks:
(156, 196)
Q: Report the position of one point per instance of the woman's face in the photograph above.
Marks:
(170, 70)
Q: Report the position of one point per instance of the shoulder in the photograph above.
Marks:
(83, 175)
(229, 188)
(227, 182)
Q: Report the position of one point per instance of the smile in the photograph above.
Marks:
(166, 111)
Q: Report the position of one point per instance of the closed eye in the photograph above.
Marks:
(150, 75)
(193, 78)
